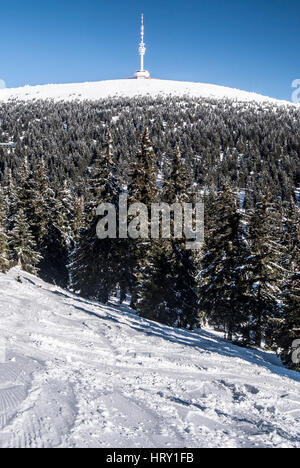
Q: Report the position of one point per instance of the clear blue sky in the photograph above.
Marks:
(247, 44)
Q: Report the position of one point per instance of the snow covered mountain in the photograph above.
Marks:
(129, 88)
(75, 373)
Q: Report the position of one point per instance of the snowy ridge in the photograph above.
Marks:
(130, 88)
(79, 374)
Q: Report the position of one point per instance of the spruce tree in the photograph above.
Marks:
(64, 214)
(78, 220)
(177, 184)
(142, 189)
(32, 198)
(45, 211)
(41, 192)
(288, 324)
(169, 286)
(9, 198)
(185, 263)
(158, 299)
(222, 280)
(4, 263)
(94, 267)
(23, 249)
(265, 272)
(25, 192)
(289, 331)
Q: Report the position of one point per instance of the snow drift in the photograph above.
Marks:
(75, 373)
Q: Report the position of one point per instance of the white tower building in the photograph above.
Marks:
(141, 73)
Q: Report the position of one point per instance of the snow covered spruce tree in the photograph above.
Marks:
(265, 272)
(24, 221)
(4, 263)
(65, 213)
(30, 199)
(40, 194)
(178, 188)
(23, 249)
(44, 213)
(94, 267)
(290, 329)
(142, 189)
(25, 193)
(222, 280)
(78, 219)
(54, 233)
(169, 288)
(9, 197)
(288, 324)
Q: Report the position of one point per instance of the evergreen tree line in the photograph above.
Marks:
(38, 225)
(251, 145)
(245, 280)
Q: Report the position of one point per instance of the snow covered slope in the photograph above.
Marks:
(79, 374)
(129, 88)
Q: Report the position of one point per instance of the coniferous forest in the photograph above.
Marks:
(243, 158)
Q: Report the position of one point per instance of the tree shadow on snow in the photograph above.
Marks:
(203, 342)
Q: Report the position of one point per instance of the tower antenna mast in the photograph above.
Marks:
(142, 49)
(142, 73)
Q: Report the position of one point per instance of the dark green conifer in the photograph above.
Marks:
(23, 249)
(222, 281)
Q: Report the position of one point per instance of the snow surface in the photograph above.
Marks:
(129, 88)
(80, 374)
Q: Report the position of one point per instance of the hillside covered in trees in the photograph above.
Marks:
(62, 159)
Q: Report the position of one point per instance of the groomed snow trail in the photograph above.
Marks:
(79, 374)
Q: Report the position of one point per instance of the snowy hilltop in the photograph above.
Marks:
(129, 88)
(74, 373)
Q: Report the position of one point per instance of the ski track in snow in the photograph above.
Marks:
(80, 374)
